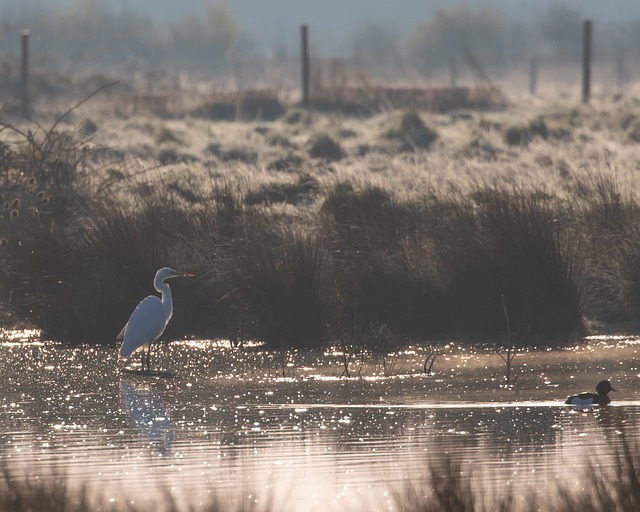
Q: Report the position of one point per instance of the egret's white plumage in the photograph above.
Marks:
(149, 319)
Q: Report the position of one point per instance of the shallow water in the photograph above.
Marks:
(232, 423)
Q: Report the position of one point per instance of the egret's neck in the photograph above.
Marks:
(167, 301)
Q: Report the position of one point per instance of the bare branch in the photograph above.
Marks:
(81, 102)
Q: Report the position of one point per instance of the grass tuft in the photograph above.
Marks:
(523, 134)
(325, 147)
(411, 132)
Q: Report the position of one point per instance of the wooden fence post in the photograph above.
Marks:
(620, 71)
(453, 73)
(24, 85)
(533, 75)
(304, 34)
(586, 61)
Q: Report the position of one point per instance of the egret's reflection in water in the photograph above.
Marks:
(148, 413)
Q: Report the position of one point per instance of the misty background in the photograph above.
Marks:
(253, 43)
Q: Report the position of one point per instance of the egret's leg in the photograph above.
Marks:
(149, 358)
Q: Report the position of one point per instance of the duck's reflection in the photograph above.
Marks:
(147, 413)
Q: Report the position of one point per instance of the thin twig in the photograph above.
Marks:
(431, 356)
(81, 102)
(509, 359)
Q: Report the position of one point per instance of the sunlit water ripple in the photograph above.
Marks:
(229, 423)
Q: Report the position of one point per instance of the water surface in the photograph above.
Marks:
(243, 423)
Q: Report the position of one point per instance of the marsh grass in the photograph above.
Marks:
(529, 261)
(430, 268)
(449, 487)
(59, 494)
(618, 492)
(284, 284)
(28, 495)
(299, 250)
(441, 266)
(609, 225)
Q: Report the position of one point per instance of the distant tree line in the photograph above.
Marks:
(87, 35)
(454, 35)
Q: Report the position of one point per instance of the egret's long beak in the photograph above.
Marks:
(182, 274)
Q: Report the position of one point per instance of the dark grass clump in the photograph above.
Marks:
(298, 116)
(411, 133)
(30, 495)
(260, 106)
(166, 136)
(243, 106)
(301, 190)
(510, 247)
(606, 486)
(325, 147)
(518, 135)
(43, 178)
(263, 279)
(235, 154)
(217, 111)
(280, 277)
(609, 225)
(369, 217)
(633, 131)
(290, 162)
(441, 268)
(78, 284)
(55, 493)
(395, 291)
(530, 262)
(242, 155)
(448, 488)
(616, 489)
(604, 225)
(383, 270)
(87, 128)
(514, 249)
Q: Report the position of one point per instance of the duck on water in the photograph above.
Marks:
(600, 397)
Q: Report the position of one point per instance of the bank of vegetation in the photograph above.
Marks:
(318, 228)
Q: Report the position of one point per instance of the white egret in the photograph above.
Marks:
(149, 319)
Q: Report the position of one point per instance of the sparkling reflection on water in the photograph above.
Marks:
(230, 423)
